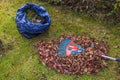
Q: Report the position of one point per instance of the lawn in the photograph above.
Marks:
(21, 61)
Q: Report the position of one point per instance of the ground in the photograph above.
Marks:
(21, 62)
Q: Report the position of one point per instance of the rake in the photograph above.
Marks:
(67, 47)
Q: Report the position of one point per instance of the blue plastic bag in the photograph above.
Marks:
(27, 28)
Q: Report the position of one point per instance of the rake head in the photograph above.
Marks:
(67, 47)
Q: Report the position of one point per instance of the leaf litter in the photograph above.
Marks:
(82, 63)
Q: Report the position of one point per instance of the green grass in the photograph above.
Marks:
(22, 62)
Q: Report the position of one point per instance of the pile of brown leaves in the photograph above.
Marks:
(75, 64)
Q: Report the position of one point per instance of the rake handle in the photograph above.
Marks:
(118, 60)
(108, 57)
